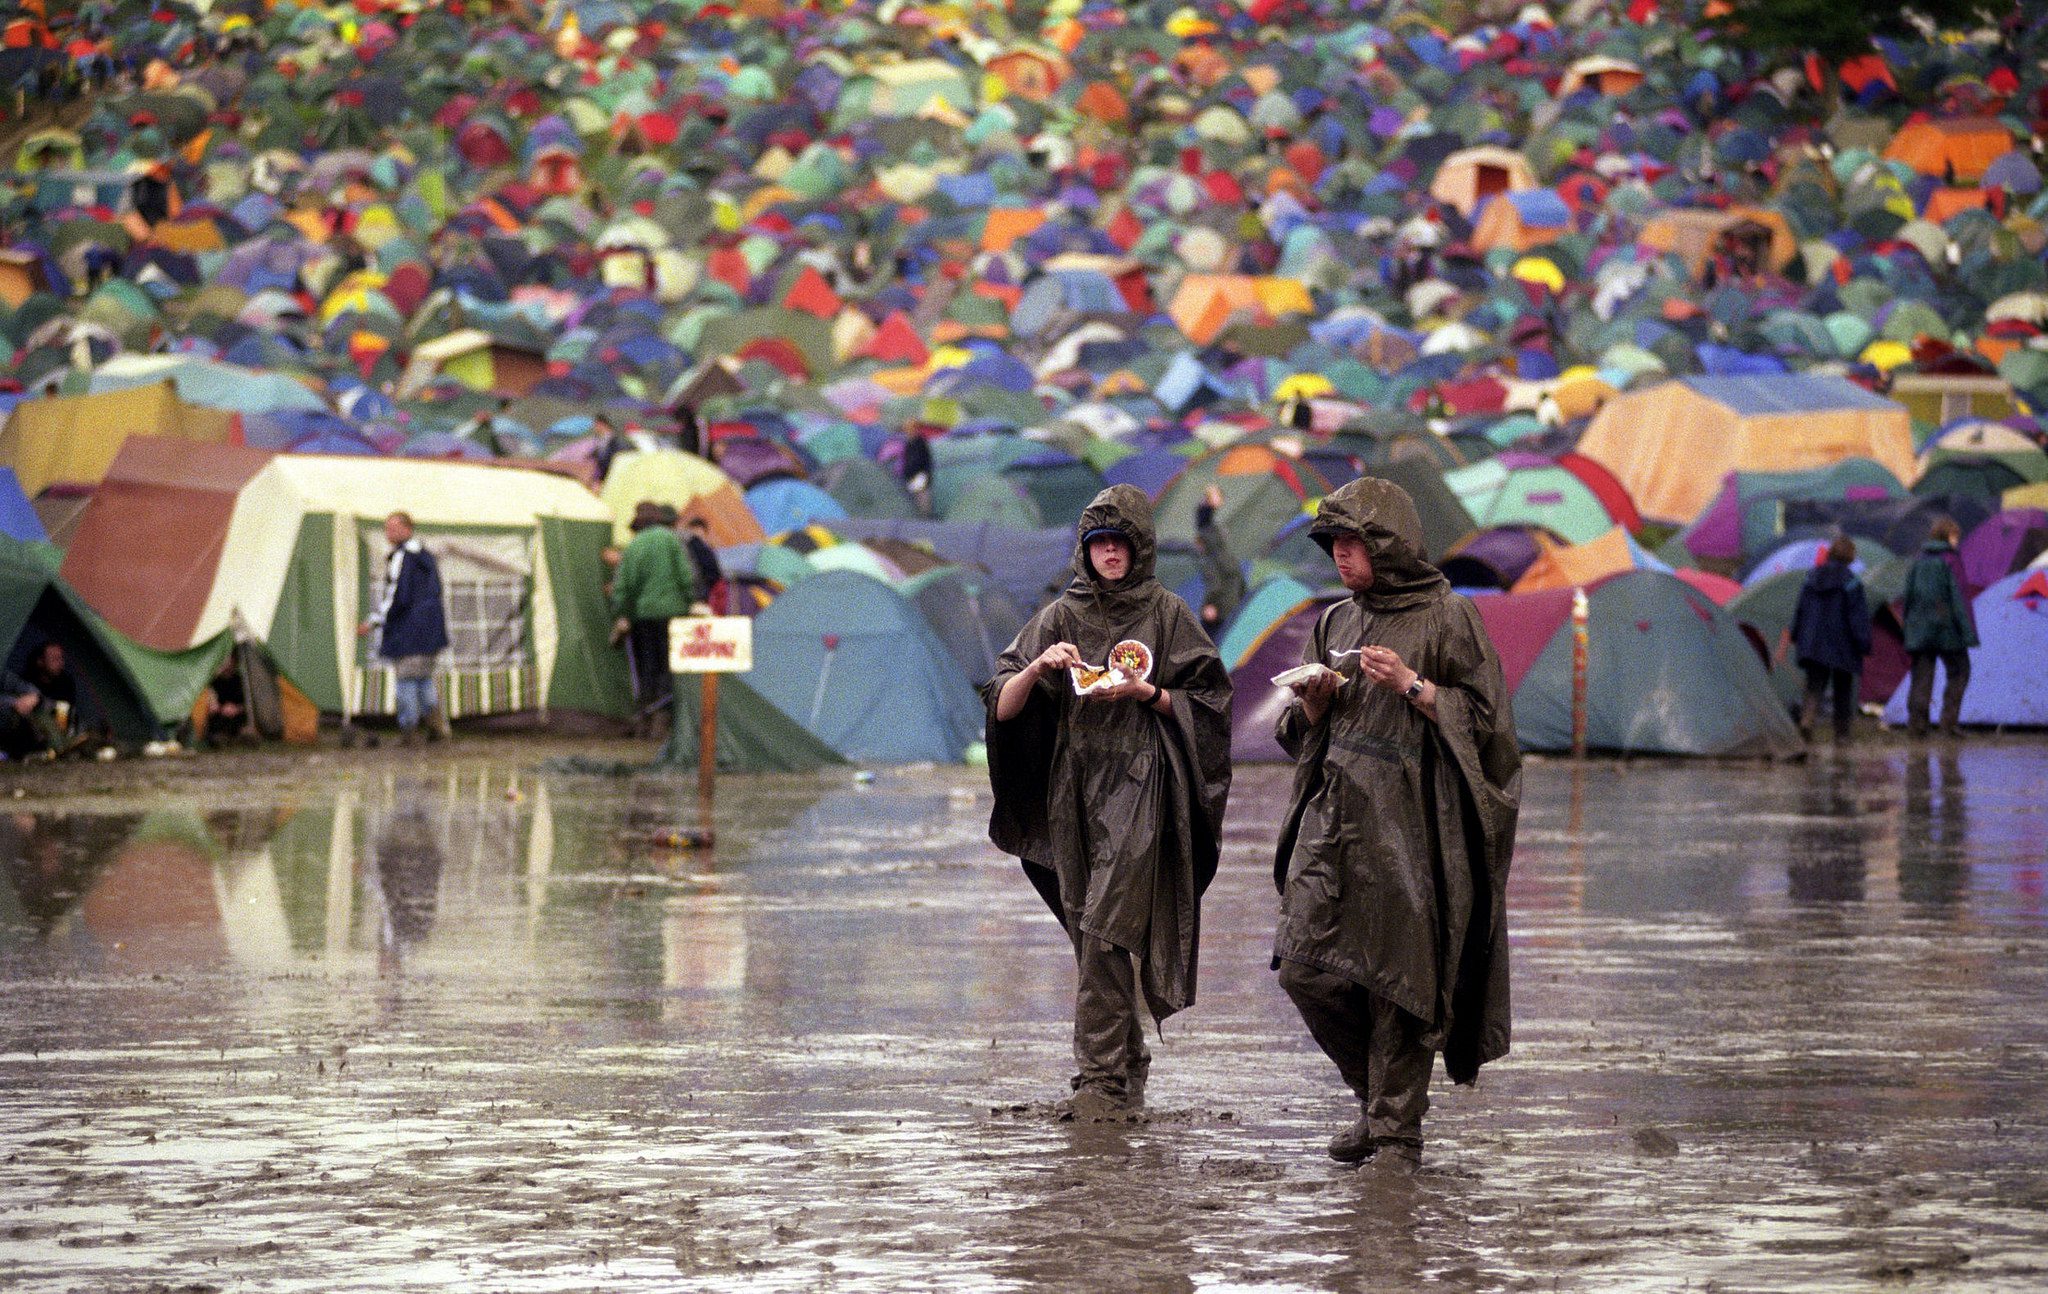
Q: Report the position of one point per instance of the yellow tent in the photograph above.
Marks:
(72, 439)
(693, 486)
(1204, 303)
(1671, 444)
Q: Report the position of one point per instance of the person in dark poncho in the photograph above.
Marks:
(1831, 631)
(1393, 858)
(1115, 801)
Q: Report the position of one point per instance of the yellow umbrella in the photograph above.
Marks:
(1541, 270)
(1303, 386)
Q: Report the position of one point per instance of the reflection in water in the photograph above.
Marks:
(1934, 864)
(406, 877)
(779, 1067)
(1826, 862)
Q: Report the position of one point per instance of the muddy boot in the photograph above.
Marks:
(408, 737)
(1090, 1105)
(1354, 1145)
(437, 725)
(1395, 1159)
(1809, 710)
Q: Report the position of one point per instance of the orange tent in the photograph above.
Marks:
(1958, 147)
(1102, 102)
(1578, 565)
(1471, 175)
(1696, 234)
(812, 294)
(1008, 224)
(1946, 202)
(1204, 304)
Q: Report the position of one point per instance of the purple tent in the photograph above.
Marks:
(1255, 704)
(2002, 545)
(1494, 558)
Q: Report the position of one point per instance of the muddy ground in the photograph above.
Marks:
(395, 1021)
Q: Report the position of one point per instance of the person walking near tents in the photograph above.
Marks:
(704, 561)
(652, 587)
(1114, 800)
(415, 627)
(1223, 587)
(1393, 858)
(1831, 632)
(1937, 626)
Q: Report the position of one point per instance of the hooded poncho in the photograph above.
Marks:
(1115, 809)
(1393, 857)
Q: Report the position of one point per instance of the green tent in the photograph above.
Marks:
(753, 736)
(36, 606)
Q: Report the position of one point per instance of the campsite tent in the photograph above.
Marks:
(71, 439)
(1751, 238)
(1746, 520)
(1255, 704)
(1031, 566)
(753, 736)
(852, 661)
(1672, 445)
(1667, 672)
(2008, 688)
(36, 606)
(970, 613)
(693, 486)
(1572, 496)
(182, 542)
(1470, 176)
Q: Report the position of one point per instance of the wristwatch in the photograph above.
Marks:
(1414, 690)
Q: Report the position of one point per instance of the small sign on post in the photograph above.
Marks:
(708, 646)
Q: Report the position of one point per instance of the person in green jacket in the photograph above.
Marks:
(1937, 627)
(653, 585)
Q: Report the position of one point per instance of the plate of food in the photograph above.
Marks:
(1300, 674)
(1129, 661)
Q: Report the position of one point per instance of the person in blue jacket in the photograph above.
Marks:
(1831, 631)
(415, 626)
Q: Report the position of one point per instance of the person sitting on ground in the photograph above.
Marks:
(36, 705)
(1831, 630)
(225, 714)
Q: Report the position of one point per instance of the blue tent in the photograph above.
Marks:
(1667, 673)
(1272, 602)
(2008, 688)
(1030, 565)
(782, 503)
(853, 662)
(18, 519)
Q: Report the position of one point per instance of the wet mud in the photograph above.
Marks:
(386, 1023)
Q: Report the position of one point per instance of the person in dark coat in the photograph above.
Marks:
(704, 560)
(1937, 626)
(1223, 586)
(415, 627)
(1114, 800)
(1393, 858)
(917, 471)
(611, 442)
(1831, 633)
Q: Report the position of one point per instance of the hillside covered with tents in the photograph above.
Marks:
(1626, 307)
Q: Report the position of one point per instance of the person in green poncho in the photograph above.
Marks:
(653, 585)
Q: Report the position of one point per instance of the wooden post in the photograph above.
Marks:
(1581, 612)
(707, 752)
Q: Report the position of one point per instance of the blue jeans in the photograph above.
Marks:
(416, 695)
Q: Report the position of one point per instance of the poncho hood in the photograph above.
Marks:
(1381, 514)
(1127, 510)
